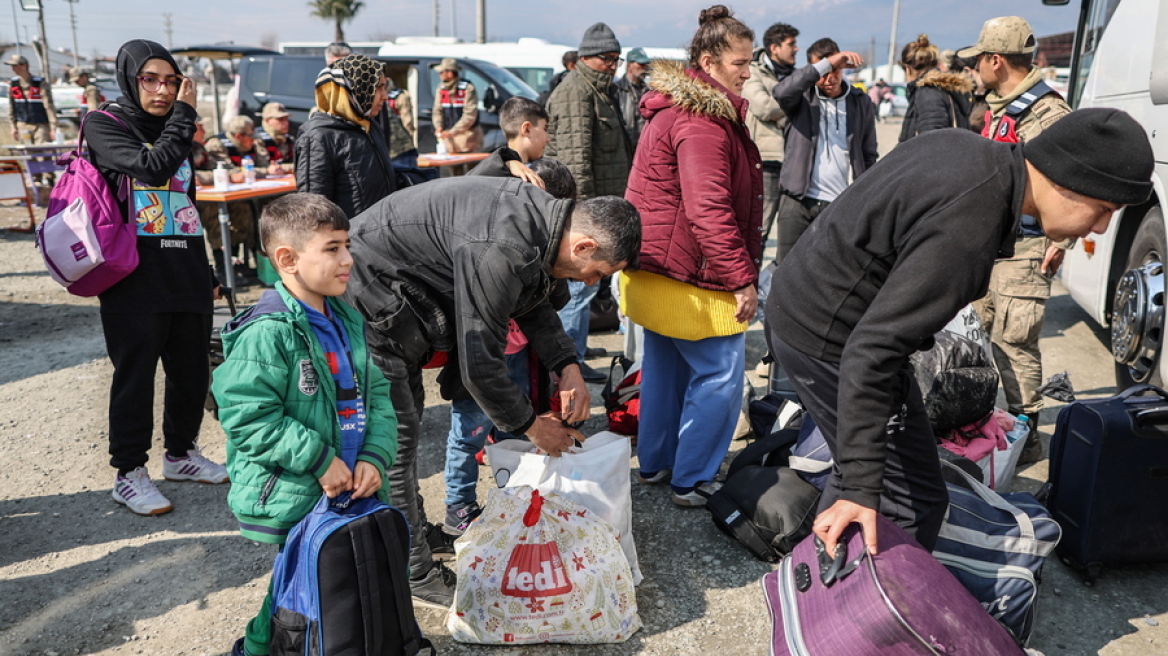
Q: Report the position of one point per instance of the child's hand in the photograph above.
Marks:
(366, 480)
(337, 479)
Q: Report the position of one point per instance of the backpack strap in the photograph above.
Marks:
(734, 522)
(123, 191)
(1031, 96)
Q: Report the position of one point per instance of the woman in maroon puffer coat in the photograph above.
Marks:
(697, 182)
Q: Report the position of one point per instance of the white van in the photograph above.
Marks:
(1120, 60)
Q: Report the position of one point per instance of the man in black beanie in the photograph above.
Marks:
(893, 259)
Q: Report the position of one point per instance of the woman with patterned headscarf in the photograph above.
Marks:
(340, 152)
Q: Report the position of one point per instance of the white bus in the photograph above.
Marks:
(1120, 60)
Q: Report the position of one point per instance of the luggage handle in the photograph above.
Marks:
(1140, 390)
(1025, 525)
(832, 569)
(1152, 416)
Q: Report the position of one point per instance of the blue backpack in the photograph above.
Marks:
(340, 586)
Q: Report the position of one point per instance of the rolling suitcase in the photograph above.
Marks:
(900, 602)
(1109, 480)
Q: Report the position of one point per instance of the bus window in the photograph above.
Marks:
(1098, 16)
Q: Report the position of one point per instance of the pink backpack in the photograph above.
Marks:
(87, 242)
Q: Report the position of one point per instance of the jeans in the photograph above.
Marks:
(691, 396)
(469, 427)
(576, 314)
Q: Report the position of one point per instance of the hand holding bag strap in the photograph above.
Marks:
(1025, 525)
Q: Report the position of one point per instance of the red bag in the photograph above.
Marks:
(622, 396)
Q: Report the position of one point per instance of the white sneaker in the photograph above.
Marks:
(194, 467)
(696, 498)
(136, 491)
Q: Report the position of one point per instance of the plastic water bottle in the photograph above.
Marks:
(441, 147)
(248, 170)
(1021, 429)
(222, 177)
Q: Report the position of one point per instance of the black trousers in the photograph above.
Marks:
(795, 216)
(408, 395)
(914, 494)
(135, 343)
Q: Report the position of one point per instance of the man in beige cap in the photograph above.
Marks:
(456, 111)
(30, 104)
(91, 94)
(1021, 107)
(275, 137)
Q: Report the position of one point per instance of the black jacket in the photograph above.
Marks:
(797, 96)
(339, 160)
(936, 101)
(172, 273)
(445, 265)
(883, 269)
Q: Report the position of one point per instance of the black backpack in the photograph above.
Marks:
(765, 505)
(957, 379)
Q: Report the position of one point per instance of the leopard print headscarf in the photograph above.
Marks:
(347, 89)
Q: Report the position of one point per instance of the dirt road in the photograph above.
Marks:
(81, 575)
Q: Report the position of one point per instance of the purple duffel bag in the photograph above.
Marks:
(899, 602)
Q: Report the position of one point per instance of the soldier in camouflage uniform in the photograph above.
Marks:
(280, 145)
(1021, 107)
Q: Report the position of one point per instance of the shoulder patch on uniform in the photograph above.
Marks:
(309, 381)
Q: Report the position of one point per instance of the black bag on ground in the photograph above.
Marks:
(603, 315)
(764, 504)
(1109, 480)
(957, 379)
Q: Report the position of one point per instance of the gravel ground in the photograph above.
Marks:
(81, 575)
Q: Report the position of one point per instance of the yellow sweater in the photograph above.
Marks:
(676, 309)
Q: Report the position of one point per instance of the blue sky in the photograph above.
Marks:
(104, 24)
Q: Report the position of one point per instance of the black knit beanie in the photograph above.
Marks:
(1099, 153)
(598, 40)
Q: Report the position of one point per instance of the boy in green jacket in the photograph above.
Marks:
(303, 406)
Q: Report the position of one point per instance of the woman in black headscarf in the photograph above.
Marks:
(162, 310)
(340, 152)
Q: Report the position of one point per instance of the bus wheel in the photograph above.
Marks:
(1137, 319)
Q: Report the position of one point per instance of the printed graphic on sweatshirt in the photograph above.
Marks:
(167, 210)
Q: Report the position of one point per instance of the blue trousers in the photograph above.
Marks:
(691, 395)
(469, 427)
(577, 314)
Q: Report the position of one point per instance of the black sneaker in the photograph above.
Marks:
(441, 543)
(591, 375)
(459, 517)
(435, 589)
(237, 649)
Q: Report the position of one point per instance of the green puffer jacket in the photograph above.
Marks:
(587, 133)
(277, 404)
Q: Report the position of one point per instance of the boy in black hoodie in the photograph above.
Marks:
(893, 259)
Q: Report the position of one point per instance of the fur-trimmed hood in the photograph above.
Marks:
(673, 85)
(951, 82)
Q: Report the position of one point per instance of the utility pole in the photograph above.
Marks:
(73, 27)
(892, 38)
(43, 50)
(453, 20)
(435, 17)
(168, 27)
(16, 26)
(480, 21)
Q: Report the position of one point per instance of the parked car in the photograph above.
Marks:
(290, 79)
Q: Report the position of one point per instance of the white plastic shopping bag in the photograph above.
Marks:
(594, 475)
(535, 569)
